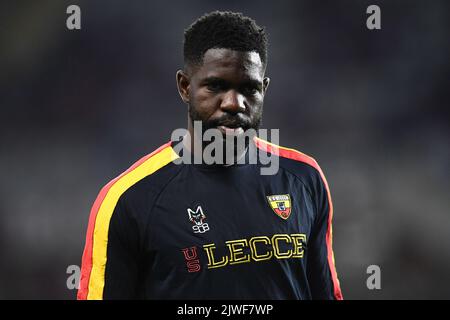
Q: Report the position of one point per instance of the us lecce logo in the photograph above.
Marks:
(280, 204)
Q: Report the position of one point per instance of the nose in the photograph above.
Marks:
(233, 102)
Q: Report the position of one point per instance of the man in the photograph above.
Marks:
(168, 230)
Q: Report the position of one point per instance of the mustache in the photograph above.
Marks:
(231, 121)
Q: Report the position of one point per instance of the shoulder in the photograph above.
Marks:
(298, 163)
(155, 166)
(302, 166)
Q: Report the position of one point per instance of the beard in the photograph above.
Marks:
(249, 124)
(228, 120)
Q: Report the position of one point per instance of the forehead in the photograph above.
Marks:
(227, 63)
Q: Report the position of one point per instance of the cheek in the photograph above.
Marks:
(205, 102)
(256, 105)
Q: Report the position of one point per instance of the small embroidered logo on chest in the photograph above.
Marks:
(280, 204)
(197, 217)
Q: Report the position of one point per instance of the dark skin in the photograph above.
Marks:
(225, 92)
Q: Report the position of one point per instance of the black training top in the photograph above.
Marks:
(163, 230)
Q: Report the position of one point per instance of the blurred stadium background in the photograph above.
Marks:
(78, 107)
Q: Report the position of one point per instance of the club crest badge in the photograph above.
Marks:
(280, 204)
(197, 217)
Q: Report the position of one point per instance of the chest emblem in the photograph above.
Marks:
(280, 204)
(197, 217)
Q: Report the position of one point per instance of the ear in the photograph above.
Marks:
(266, 82)
(183, 83)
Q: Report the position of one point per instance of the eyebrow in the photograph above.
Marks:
(249, 82)
(213, 79)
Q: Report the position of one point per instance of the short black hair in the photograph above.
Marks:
(223, 29)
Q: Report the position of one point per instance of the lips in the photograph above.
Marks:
(226, 130)
(230, 124)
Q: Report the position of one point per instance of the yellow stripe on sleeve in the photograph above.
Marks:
(100, 238)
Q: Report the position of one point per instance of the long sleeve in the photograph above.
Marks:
(110, 266)
(321, 270)
(123, 263)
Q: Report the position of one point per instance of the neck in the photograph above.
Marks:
(232, 153)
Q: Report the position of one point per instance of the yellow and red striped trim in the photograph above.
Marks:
(94, 255)
(297, 155)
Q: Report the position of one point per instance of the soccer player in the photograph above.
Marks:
(168, 230)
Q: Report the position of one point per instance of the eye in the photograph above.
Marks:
(250, 91)
(215, 86)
